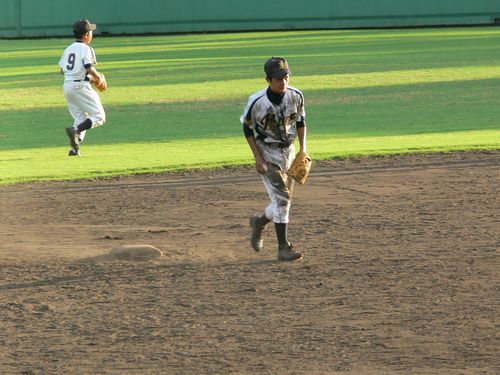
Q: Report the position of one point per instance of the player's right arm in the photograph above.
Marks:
(246, 120)
(260, 162)
(92, 71)
(89, 63)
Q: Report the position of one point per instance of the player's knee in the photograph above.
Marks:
(98, 120)
(269, 211)
(282, 212)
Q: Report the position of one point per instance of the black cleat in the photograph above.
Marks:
(287, 253)
(74, 141)
(256, 237)
(74, 153)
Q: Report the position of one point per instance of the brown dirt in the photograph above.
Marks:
(400, 273)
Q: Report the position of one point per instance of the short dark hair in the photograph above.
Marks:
(82, 27)
(276, 67)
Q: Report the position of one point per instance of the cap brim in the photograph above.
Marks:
(280, 74)
(92, 26)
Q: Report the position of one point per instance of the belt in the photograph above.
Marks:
(82, 80)
(284, 144)
(280, 144)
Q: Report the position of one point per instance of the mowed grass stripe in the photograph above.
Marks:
(148, 92)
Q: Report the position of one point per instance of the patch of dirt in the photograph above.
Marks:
(400, 273)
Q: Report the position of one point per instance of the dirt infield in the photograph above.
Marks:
(400, 273)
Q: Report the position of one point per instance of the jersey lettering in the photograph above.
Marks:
(71, 61)
(273, 122)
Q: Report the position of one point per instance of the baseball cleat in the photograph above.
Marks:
(74, 153)
(287, 253)
(73, 138)
(256, 237)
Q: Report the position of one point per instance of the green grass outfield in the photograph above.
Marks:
(174, 101)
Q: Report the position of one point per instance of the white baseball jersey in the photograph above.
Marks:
(76, 58)
(275, 124)
(83, 100)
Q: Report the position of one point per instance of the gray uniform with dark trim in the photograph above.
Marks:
(276, 128)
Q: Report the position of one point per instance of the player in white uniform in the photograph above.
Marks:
(274, 117)
(78, 66)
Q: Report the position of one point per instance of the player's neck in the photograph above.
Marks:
(273, 97)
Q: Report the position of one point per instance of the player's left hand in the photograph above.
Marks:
(301, 165)
(101, 84)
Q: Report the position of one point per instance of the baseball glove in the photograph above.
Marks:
(101, 83)
(299, 170)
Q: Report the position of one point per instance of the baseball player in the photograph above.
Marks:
(272, 120)
(78, 67)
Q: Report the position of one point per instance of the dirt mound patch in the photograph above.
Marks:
(131, 253)
(135, 252)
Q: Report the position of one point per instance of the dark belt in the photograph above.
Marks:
(82, 80)
(284, 144)
(280, 144)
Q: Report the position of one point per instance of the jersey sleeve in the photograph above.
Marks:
(301, 112)
(88, 57)
(64, 59)
(246, 117)
(302, 109)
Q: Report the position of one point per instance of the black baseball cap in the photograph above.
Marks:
(276, 67)
(83, 26)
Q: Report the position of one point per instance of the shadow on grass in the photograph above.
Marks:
(375, 111)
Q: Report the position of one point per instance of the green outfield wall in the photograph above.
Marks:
(33, 18)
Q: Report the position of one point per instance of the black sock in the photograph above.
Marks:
(87, 124)
(263, 220)
(281, 233)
